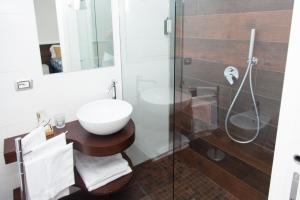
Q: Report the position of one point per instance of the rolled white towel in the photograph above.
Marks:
(99, 171)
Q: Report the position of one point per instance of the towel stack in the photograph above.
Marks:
(99, 171)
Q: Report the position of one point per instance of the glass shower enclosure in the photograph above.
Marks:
(147, 47)
(206, 111)
(147, 73)
(230, 60)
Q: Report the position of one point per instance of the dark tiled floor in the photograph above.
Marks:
(154, 181)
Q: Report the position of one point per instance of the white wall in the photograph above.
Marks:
(288, 135)
(46, 21)
(66, 92)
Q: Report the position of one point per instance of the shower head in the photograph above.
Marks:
(251, 46)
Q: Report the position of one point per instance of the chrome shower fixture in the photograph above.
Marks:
(231, 74)
(251, 62)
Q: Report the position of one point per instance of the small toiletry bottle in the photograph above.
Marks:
(44, 120)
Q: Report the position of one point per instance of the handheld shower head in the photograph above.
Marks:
(251, 61)
(251, 46)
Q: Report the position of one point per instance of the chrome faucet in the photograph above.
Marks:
(113, 87)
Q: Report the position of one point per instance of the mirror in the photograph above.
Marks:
(74, 34)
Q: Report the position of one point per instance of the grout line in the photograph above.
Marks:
(238, 13)
(231, 40)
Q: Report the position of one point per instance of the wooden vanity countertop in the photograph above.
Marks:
(83, 141)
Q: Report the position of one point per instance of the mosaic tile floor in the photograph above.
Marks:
(154, 181)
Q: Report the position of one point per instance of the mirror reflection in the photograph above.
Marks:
(74, 34)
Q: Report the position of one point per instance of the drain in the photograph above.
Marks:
(215, 154)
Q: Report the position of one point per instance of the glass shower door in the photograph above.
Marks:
(147, 43)
(147, 78)
(147, 74)
(218, 113)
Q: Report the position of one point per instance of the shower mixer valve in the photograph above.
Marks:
(231, 74)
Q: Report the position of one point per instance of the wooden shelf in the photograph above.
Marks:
(251, 154)
(110, 188)
(90, 144)
(83, 141)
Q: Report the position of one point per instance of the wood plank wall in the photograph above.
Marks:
(215, 34)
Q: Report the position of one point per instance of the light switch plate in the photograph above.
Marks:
(24, 84)
(294, 187)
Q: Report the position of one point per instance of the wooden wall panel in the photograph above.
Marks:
(271, 56)
(201, 7)
(215, 34)
(272, 26)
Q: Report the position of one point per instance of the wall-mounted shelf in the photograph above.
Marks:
(90, 144)
(110, 188)
(83, 141)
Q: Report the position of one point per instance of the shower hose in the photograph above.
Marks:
(248, 71)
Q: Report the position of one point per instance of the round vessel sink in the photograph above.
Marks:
(104, 117)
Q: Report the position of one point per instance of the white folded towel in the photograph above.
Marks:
(110, 179)
(46, 147)
(32, 139)
(49, 169)
(99, 171)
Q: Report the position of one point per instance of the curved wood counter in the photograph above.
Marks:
(83, 141)
(90, 144)
(96, 145)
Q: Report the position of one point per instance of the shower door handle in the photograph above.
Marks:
(167, 26)
(294, 186)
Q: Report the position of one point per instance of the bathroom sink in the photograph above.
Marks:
(104, 117)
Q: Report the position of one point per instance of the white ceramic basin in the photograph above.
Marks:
(104, 117)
